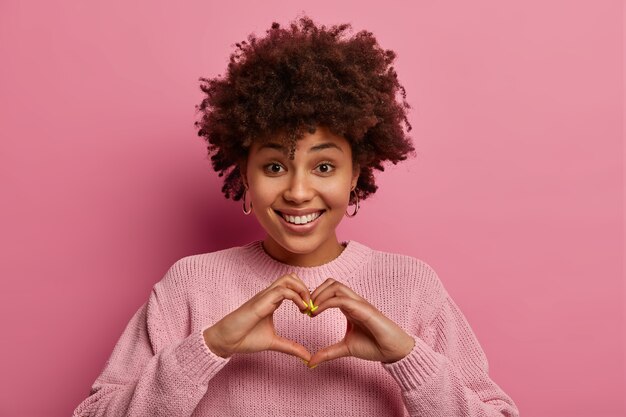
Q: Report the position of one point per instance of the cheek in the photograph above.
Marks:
(336, 195)
(263, 192)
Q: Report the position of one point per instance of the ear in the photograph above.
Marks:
(356, 170)
(243, 165)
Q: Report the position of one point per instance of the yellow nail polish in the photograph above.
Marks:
(311, 303)
(314, 308)
(308, 313)
(306, 362)
(305, 304)
(312, 367)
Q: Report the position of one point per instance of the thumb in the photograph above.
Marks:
(281, 344)
(338, 350)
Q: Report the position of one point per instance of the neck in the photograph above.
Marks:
(324, 253)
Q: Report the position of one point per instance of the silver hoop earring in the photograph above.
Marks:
(246, 212)
(356, 208)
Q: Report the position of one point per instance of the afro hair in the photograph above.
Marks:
(295, 79)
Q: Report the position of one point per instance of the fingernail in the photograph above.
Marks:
(305, 304)
(311, 304)
(306, 362)
(314, 308)
(312, 367)
(308, 313)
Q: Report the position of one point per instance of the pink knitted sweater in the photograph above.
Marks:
(161, 365)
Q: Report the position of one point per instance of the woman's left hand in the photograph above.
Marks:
(370, 335)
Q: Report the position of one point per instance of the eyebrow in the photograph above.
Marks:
(316, 148)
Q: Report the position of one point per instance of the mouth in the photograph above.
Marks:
(300, 220)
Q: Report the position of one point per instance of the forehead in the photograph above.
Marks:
(321, 139)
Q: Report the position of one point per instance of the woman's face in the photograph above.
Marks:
(300, 202)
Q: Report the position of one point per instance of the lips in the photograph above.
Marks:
(304, 220)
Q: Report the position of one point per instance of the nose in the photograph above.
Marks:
(299, 188)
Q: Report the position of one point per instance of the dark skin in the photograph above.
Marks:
(370, 335)
(250, 328)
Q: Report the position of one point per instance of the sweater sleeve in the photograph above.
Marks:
(150, 373)
(447, 374)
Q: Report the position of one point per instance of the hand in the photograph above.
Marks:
(369, 334)
(250, 328)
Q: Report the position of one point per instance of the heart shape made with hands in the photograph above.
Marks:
(260, 324)
(321, 331)
(367, 334)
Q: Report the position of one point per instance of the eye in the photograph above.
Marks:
(325, 167)
(273, 168)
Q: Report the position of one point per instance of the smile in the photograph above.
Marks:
(300, 220)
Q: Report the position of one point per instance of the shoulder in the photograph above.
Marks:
(407, 289)
(403, 265)
(194, 270)
(412, 274)
(181, 294)
(200, 261)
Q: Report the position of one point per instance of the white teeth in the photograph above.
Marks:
(302, 219)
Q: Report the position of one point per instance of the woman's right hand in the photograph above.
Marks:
(250, 328)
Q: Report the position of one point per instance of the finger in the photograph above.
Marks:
(334, 289)
(293, 282)
(356, 310)
(273, 298)
(338, 350)
(281, 344)
(362, 313)
(321, 287)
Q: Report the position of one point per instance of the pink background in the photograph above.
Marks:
(515, 198)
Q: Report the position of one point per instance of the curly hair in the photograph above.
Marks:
(295, 79)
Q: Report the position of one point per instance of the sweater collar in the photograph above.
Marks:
(343, 268)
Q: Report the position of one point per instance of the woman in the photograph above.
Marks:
(298, 124)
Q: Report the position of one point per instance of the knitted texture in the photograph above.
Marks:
(161, 365)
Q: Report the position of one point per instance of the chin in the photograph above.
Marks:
(299, 245)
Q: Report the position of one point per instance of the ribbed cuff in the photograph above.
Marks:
(199, 363)
(415, 368)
